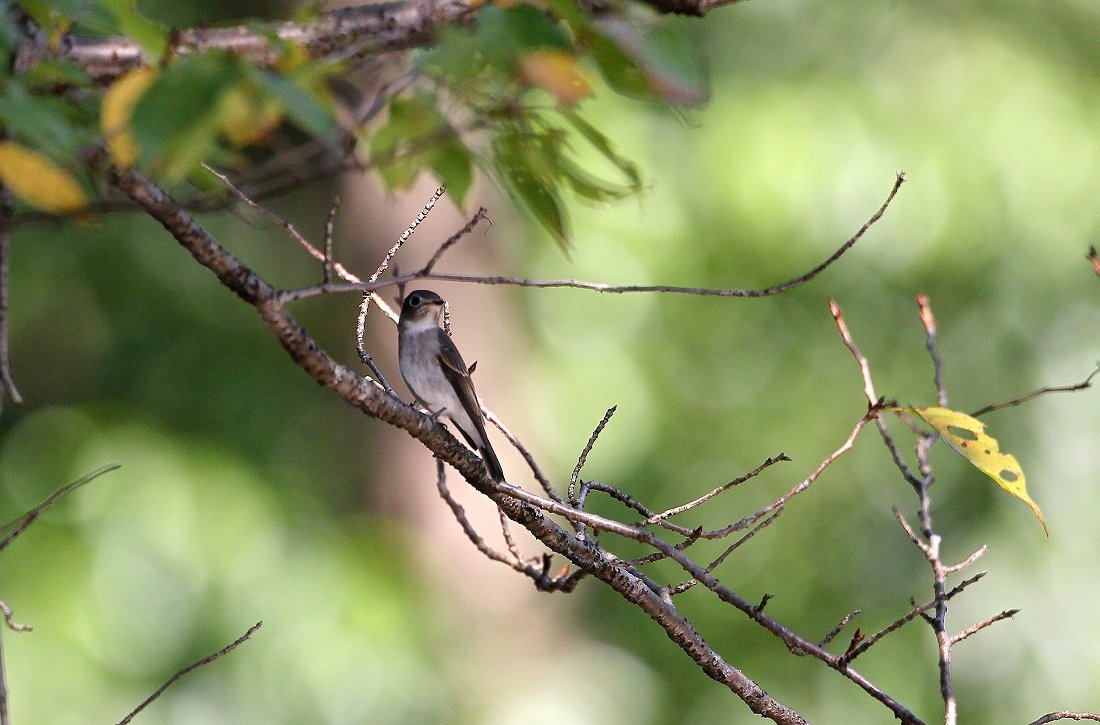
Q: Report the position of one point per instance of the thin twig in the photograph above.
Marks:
(1086, 383)
(480, 214)
(679, 588)
(909, 530)
(364, 305)
(898, 623)
(837, 629)
(19, 525)
(3, 687)
(982, 625)
(12, 625)
(966, 562)
(7, 382)
(3, 680)
(531, 463)
(506, 531)
(540, 575)
(864, 366)
(1066, 714)
(330, 226)
(584, 453)
(707, 496)
(204, 661)
(1095, 259)
(599, 286)
(929, 321)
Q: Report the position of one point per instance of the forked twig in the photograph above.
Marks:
(584, 453)
(481, 213)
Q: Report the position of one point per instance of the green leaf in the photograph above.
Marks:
(151, 36)
(457, 56)
(667, 57)
(305, 110)
(453, 165)
(42, 122)
(602, 144)
(619, 69)
(505, 33)
(569, 11)
(175, 123)
(527, 165)
(411, 119)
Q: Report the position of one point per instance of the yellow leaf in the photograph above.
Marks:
(118, 106)
(39, 181)
(967, 436)
(557, 72)
(246, 119)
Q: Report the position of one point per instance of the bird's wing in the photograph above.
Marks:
(454, 369)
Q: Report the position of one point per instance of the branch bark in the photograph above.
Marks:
(350, 32)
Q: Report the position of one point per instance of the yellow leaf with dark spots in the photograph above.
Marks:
(118, 106)
(39, 181)
(557, 72)
(967, 436)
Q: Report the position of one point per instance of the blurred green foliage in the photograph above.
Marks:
(248, 493)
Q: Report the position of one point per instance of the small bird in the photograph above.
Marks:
(433, 369)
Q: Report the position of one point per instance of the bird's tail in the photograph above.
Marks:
(490, 457)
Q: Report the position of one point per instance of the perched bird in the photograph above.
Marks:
(435, 373)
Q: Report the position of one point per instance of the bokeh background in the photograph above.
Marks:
(246, 492)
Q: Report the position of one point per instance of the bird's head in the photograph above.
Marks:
(422, 306)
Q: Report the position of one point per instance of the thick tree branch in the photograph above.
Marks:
(370, 398)
(351, 32)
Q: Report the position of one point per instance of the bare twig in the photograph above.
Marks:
(1086, 383)
(330, 226)
(898, 623)
(955, 639)
(480, 214)
(12, 625)
(364, 306)
(683, 587)
(532, 464)
(839, 627)
(506, 531)
(929, 321)
(1095, 259)
(3, 680)
(599, 286)
(540, 575)
(909, 530)
(204, 661)
(1066, 714)
(967, 561)
(19, 525)
(707, 496)
(584, 453)
(7, 382)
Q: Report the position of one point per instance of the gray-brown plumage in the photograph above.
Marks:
(435, 373)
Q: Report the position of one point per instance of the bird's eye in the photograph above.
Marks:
(414, 300)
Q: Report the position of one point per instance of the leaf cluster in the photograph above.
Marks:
(501, 95)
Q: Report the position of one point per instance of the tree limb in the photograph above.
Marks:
(370, 398)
